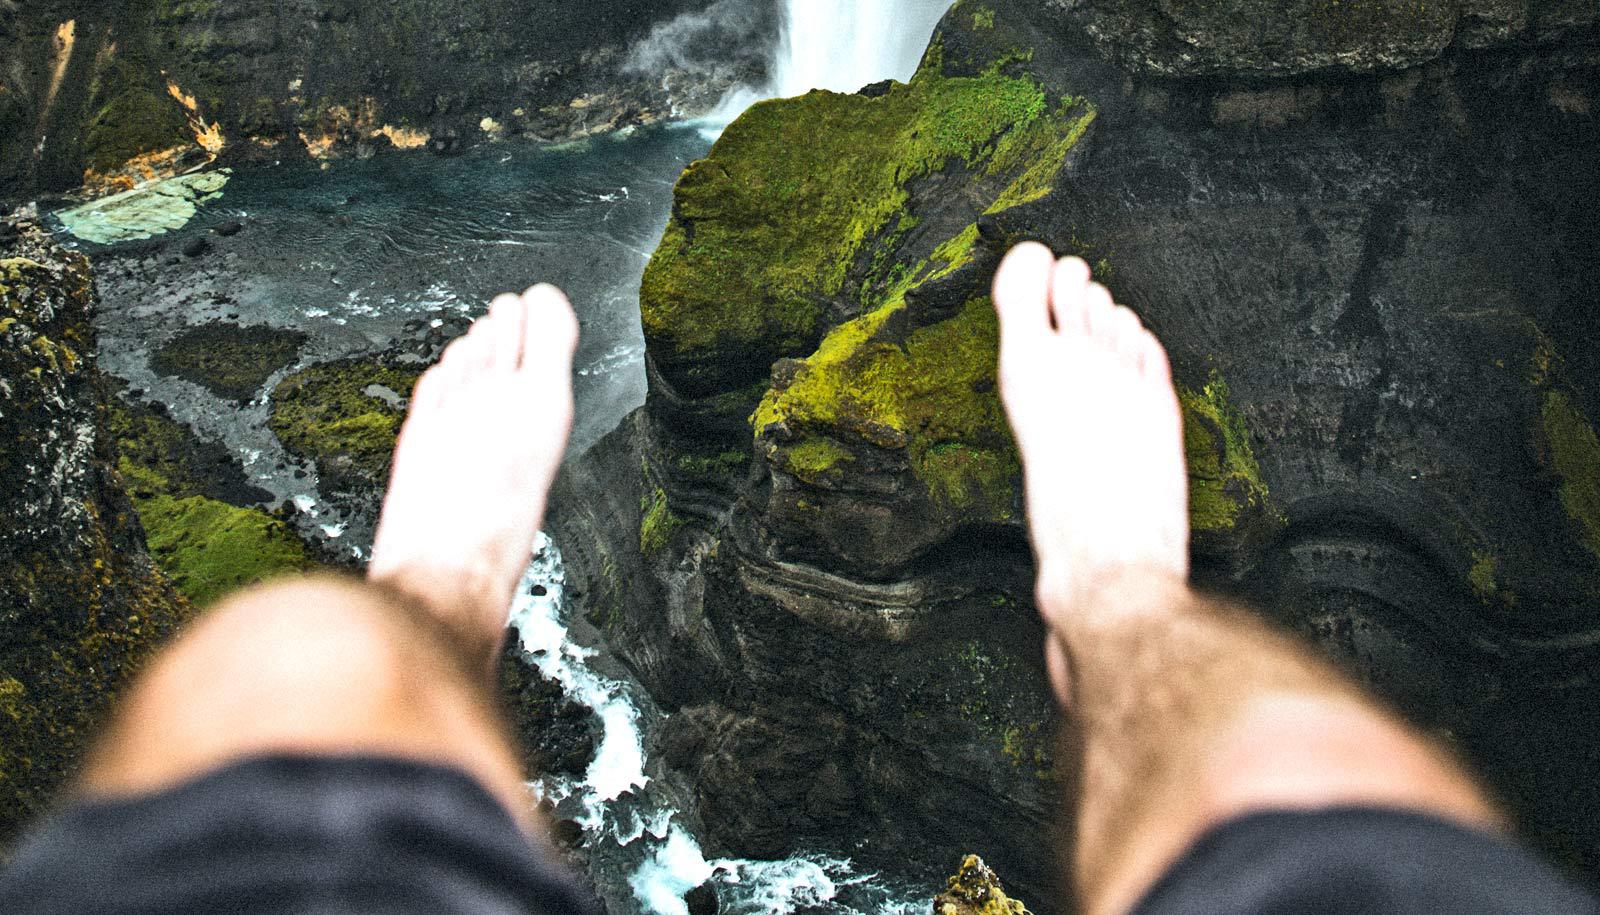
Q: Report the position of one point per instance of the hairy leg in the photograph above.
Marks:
(1189, 713)
(400, 664)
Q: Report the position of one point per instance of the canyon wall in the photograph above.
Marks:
(107, 94)
(81, 602)
(1364, 232)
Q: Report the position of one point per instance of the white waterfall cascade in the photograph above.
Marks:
(638, 830)
(839, 45)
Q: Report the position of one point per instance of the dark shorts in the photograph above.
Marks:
(1358, 861)
(353, 836)
(279, 835)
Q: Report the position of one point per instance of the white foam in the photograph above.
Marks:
(616, 808)
(675, 868)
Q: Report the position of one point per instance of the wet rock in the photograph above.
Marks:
(702, 900)
(446, 143)
(567, 833)
(229, 228)
(196, 246)
(555, 735)
(324, 414)
(232, 362)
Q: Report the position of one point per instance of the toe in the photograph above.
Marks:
(480, 344)
(1099, 313)
(1022, 295)
(509, 315)
(453, 366)
(1153, 359)
(429, 390)
(550, 336)
(1126, 330)
(1067, 289)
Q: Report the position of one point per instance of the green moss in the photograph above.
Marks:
(1482, 576)
(720, 464)
(207, 546)
(233, 362)
(1224, 479)
(658, 523)
(210, 548)
(1574, 454)
(326, 414)
(983, 19)
(1037, 156)
(932, 396)
(815, 457)
(975, 890)
(133, 115)
(738, 269)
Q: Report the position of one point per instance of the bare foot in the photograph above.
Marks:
(1091, 403)
(486, 432)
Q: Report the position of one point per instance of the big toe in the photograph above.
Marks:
(1022, 294)
(550, 335)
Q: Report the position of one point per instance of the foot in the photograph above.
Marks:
(476, 457)
(1089, 394)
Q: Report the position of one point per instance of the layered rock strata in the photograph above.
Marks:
(1372, 260)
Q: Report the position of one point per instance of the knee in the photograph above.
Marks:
(321, 640)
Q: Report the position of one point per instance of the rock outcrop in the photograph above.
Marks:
(975, 890)
(108, 94)
(1370, 252)
(81, 602)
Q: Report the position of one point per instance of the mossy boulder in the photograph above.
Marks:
(201, 517)
(861, 281)
(81, 603)
(345, 416)
(774, 237)
(232, 362)
(975, 890)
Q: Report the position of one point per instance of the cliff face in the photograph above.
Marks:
(110, 93)
(1369, 252)
(81, 603)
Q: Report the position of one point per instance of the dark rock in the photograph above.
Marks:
(232, 362)
(196, 246)
(71, 540)
(1376, 279)
(567, 833)
(702, 900)
(874, 90)
(229, 228)
(556, 735)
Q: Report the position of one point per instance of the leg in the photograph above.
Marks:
(1191, 714)
(400, 664)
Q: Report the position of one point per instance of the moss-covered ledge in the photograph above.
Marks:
(199, 520)
(345, 416)
(776, 236)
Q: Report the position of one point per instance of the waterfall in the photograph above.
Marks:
(840, 45)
